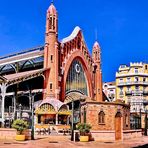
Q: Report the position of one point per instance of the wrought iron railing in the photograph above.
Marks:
(133, 83)
(136, 92)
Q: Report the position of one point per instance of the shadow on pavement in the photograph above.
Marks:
(142, 146)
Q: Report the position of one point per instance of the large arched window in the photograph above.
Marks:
(76, 78)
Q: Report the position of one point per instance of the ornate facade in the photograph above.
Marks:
(53, 76)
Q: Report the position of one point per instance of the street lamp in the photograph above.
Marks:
(32, 115)
(84, 114)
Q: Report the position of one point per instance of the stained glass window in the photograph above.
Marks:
(76, 78)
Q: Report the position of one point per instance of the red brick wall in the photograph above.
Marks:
(110, 111)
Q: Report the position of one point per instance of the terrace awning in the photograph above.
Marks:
(51, 105)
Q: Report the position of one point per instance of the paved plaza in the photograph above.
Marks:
(64, 142)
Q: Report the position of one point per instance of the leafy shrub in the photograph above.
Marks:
(83, 128)
(20, 125)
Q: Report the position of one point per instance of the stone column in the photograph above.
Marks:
(30, 100)
(67, 120)
(3, 88)
(14, 104)
(57, 119)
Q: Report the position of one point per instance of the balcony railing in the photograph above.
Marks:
(133, 83)
(118, 75)
(136, 92)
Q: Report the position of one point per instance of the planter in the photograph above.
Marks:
(84, 138)
(20, 137)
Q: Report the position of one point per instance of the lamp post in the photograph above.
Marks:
(32, 115)
(84, 114)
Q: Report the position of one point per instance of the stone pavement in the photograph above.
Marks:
(64, 142)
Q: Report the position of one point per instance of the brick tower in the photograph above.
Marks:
(96, 55)
(51, 53)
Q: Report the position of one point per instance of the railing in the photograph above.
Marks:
(133, 83)
(118, 75)
(24, 108)
(136, 92)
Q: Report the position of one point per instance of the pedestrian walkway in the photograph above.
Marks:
(64, 142)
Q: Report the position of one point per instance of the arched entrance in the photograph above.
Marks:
(118, 126)
(76, 98)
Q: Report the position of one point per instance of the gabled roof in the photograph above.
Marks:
(72, 36)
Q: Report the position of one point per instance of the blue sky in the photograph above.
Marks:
(122, 27)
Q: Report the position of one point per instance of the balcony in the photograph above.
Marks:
(119, 75)
(132, 83)
(136, 92)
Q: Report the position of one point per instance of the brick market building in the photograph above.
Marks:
(55, 75)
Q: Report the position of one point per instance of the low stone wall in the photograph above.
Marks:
(109, 135)
(103, 135)
(27, 134)
(10, 133)
(7, 133)
(128, 134)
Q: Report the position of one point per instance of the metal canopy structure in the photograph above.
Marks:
(11, 80)
(75, 96)
(23, 76)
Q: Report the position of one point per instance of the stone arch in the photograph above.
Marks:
(118, 114)
(77, 54)
(101, 117)
(118, 126)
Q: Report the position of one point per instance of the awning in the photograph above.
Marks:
(52, 105)
(65, 113)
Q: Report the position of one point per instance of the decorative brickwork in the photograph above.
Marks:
(110, 110)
